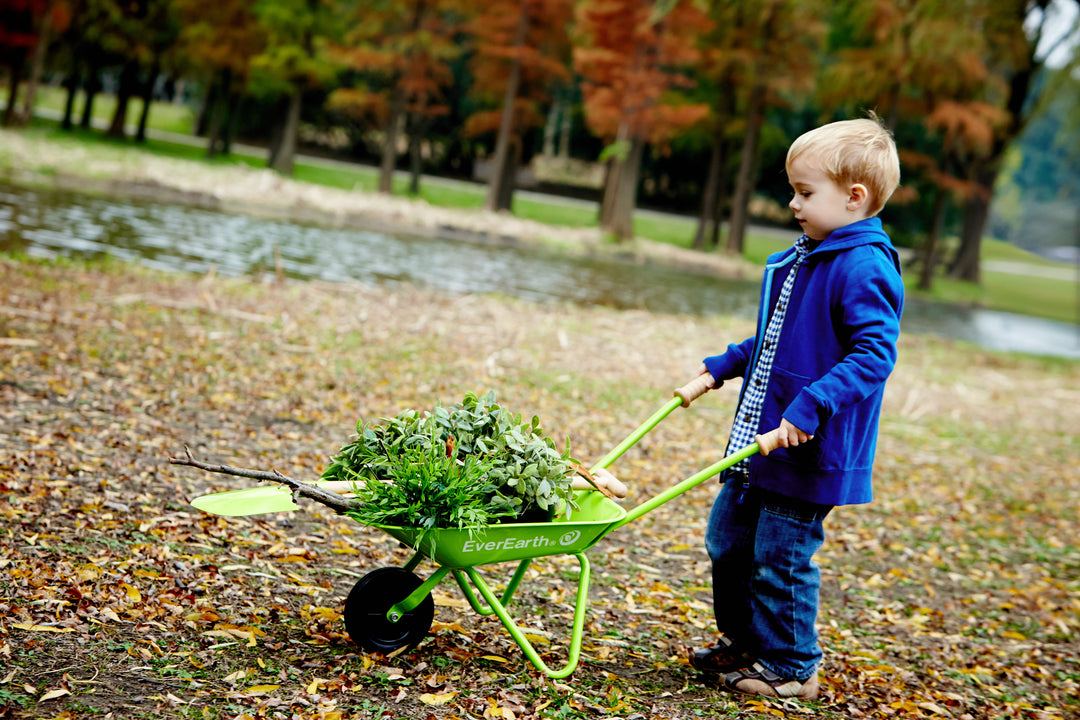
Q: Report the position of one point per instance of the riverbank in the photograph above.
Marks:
(31, 158)
(169, 171)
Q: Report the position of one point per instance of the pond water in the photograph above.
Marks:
(182, 238)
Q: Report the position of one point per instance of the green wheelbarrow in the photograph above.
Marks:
(391, 607)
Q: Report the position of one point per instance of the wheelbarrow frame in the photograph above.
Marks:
(460, 552)
(465, 573)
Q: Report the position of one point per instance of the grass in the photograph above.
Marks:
(1055, 299)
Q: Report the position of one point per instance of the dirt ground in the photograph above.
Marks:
(954, 594)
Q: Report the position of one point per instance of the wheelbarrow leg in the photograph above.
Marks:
(508, 593)
(574, 651)
(414, 561)
(398, 610)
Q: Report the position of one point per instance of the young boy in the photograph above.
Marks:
(814, 375)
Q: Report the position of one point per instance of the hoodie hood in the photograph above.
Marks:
(857, 234)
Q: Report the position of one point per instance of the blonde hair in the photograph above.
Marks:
(853, 151)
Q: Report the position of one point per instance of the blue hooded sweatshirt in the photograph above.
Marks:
(836, 349)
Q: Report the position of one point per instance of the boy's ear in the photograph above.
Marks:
(857, 196)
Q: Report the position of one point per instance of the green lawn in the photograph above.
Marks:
(1056, 299)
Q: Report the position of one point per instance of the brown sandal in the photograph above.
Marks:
(759, 680)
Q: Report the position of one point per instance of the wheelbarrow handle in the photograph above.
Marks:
(768, 442)
(682, 398)
(694, 389)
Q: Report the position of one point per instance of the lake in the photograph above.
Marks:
(48, 223)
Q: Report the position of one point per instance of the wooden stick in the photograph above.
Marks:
(332, 500)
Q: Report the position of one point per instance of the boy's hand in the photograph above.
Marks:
(787, 435)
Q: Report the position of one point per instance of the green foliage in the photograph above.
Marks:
(461, 467)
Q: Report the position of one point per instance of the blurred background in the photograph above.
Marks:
(683, 106)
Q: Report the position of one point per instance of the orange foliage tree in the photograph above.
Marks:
(221, 37)
(921, 61)
(403, 50)
(759, 54)
(634, 57)
(522, 49)
(1013, 31)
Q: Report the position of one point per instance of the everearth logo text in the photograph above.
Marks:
(510, 543)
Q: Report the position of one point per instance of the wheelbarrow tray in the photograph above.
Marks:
(506, 542)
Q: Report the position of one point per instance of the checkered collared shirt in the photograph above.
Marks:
(749, 414)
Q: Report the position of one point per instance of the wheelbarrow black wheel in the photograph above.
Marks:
(369, 601)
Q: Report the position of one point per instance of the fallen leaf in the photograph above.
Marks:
(30, 627)
(437, 699)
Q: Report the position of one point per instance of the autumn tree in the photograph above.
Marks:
(21, 24)
(762, 54)
(522, 49)
(222, 37)
(140, 35)
(80, 53)
(634, 58)
(402, 52)
(1014, 30)
(920, 61)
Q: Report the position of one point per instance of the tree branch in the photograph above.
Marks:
(334, 501)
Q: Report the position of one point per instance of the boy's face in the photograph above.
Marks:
(821, 205)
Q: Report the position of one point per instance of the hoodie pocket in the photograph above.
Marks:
(785, 388)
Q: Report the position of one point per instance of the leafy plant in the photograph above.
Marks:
(461, 467)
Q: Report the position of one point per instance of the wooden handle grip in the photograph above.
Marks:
(769, 441)
(694, 389)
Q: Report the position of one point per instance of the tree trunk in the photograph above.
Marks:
(232, 117)
(929, 253)
(148, 100)
(201, 124)
(37, 64)
(612, 166)
(551, 125)
(217, 113)
(71, 84)
(744, 181)
(128, 77)
(505, 201)
(15, 68)
(284, 155)
(710, 196)
(90, 90)
(624, 195)
(566, 128)
(497, 197)
(965, 266)
(417, 130)
(389, 150)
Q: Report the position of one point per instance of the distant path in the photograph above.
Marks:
(1032, 270)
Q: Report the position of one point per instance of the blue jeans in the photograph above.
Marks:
(765, 581)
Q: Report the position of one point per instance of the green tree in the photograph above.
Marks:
(292, 61)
